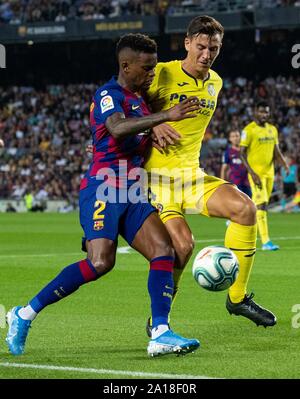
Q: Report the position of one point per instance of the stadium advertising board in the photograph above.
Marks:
(79, 30)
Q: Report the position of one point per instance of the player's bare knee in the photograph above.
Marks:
(184, 249)
(103, 266)
(244, 212)
(163, 249)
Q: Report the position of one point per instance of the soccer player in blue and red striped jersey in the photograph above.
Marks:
(112, 201)
(233, 169)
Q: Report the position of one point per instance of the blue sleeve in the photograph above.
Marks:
(107, 102)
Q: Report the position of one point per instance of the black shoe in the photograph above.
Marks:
(248, 308)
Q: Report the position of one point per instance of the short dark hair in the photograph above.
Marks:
(262, 104)
(137, 42)
(205, 25)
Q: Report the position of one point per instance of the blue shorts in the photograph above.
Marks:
(103, 219)
(245, 189)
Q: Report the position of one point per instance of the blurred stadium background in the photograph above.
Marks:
(58, 52)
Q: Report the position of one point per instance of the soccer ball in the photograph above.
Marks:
(215, 268)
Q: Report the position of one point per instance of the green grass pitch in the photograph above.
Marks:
(102, 325)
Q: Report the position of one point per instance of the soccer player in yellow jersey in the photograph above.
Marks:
(174, 81)
(259, 149)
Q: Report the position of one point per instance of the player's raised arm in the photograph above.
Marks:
(119, 126)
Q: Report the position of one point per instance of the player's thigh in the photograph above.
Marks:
(152, 239)
(245, 189)
(227, 201)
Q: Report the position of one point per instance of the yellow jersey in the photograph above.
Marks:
(170, 86)
(260, 142)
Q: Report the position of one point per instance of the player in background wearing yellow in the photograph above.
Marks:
(173, 82)
(259, 149)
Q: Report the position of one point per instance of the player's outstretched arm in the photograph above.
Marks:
(1, 143)
(119, 126)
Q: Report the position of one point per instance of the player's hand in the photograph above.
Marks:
(164, 135)
(1, 143)
(89, 149)
(156, 144)
(256, 180)
(185, 109)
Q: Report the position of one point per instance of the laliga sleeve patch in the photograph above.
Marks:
(106, 104)
(243, 135)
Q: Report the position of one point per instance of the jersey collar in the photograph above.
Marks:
(195, 79)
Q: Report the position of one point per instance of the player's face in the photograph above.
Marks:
(141, 71)
(263, 114)
(234, 138)
(202, 51)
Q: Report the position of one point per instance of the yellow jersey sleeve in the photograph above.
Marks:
(245, 137)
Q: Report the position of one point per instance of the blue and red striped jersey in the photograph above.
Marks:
(117, 155)
(237, 170)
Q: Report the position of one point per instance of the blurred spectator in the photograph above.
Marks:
(289, 181)
(28, 199)
(46, 132)
(293, 205)
(16, 12)
(10, 208)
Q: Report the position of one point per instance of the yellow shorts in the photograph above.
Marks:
(261, 196)
(178, 196)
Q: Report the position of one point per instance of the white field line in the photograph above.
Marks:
(129, 250)
(273, 238)
(120, 250)
(103, 371)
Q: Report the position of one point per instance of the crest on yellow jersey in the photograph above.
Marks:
(211, 89)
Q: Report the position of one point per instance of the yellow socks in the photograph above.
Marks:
(177, 274)
(242, 241)
(262, 223)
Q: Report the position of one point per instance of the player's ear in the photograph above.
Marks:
(125, 66)
(187, 43)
